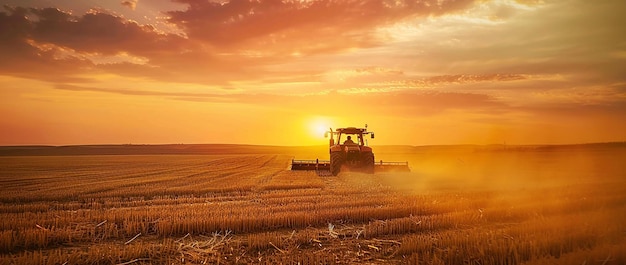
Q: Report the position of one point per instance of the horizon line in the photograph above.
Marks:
(271, 145)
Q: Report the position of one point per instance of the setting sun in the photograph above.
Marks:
(319, 126)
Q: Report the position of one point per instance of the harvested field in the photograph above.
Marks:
(458, 206)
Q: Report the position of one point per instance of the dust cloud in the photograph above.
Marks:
(501, 169)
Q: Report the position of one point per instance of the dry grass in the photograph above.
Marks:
(455, 208)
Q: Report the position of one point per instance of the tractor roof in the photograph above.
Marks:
(351, 130)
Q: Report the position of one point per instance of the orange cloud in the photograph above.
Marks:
(45, 38)
(132, 4)
(299, 26)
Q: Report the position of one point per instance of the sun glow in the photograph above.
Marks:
(318, 126)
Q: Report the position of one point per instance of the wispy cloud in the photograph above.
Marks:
(398, 103)
(300, 26)
(132, 4)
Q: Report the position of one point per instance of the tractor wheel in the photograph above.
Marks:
(336, 161)
(368, 163)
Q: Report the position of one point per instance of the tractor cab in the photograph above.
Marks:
(349, 137)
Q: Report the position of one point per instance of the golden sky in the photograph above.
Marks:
(277, 72)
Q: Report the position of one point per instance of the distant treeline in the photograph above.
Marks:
(208, 149)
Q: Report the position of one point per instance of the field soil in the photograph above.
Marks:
(242, 205)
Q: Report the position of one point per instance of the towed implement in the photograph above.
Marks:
(354, 155)
(317, 165)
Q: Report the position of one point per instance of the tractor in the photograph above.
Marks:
(353, 153)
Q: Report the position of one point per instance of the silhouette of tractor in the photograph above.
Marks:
(353, 154)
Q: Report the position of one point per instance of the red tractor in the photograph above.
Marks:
(352, 153)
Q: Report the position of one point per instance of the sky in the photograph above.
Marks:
(280, 72)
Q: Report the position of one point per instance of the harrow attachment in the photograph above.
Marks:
(322, 166)
(391, 166)
(317, 165)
